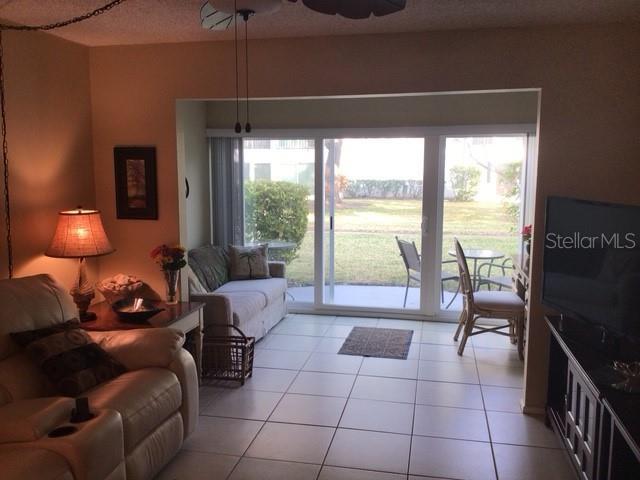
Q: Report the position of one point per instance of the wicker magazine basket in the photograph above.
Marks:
(228, 357)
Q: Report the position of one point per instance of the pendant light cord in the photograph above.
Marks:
(238, 128)
(3, 113)
(247, 127)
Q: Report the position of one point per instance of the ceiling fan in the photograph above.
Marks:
(219, 14)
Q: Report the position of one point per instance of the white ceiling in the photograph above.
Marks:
(162, 21)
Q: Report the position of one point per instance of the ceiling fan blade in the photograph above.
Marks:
(356, 9)
(213, 19)
(387, 7)
(328, 7)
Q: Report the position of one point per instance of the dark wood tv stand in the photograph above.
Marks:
(598, 426)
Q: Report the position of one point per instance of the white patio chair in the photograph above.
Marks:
(411, 259)
(502, 281)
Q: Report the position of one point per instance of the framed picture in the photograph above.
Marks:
(136, 183)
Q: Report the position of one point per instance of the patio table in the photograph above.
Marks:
(273, 245)
(476, 254)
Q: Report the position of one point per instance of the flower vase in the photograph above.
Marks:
(171, 278)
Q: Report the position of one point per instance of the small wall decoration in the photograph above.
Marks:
(136, 183)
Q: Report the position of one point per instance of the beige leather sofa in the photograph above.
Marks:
(142, 416)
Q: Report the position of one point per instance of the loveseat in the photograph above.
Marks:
(141, 416)
(254, 306)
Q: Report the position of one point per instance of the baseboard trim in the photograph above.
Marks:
(529, 410)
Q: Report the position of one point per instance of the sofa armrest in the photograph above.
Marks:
(141, 348)
(31, 419)
(184, 367)
(217, 313)
(27, 423)
(94, 451)
(277, 269)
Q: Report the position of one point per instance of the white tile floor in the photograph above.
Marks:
(309, 413)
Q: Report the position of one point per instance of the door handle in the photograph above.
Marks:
(424, 226)
(330, 222)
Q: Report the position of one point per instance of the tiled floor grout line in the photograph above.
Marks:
(369, 430)
(486, 418)
(286, 391)
(263, 424)
(347, 468)
(324, 459)
(415, 400)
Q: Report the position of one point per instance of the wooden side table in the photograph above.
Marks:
(184, 316)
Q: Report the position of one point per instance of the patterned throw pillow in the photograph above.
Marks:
(248, 263)
(69, 358)
(210, 264)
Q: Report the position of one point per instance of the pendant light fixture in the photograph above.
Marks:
(245, 13)
(238, 127)
(218, 15)
(245, 16)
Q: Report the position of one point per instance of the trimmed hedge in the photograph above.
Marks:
(399, 189)
(464, 182)
(276, 211)
(509, 182)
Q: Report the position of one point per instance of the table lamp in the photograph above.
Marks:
(80, 234)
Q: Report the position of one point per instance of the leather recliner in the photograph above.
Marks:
(142, 416)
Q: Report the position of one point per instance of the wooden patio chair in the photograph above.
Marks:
(412, 262)
(505, 305)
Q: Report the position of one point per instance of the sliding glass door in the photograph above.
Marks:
(371, 194)
(373, 222)
(365, 223)
(484, 189)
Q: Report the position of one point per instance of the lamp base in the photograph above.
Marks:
(82, 301)
(82, 294)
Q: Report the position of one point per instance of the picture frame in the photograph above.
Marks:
(136, 183)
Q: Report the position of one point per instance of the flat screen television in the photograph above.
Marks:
(592, 263)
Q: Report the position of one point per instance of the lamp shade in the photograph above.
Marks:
(79, 233)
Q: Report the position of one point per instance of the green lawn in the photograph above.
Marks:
(366, 250)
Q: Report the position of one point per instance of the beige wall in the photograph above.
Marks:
(590, 111)
(49, 136)
(496, 108)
